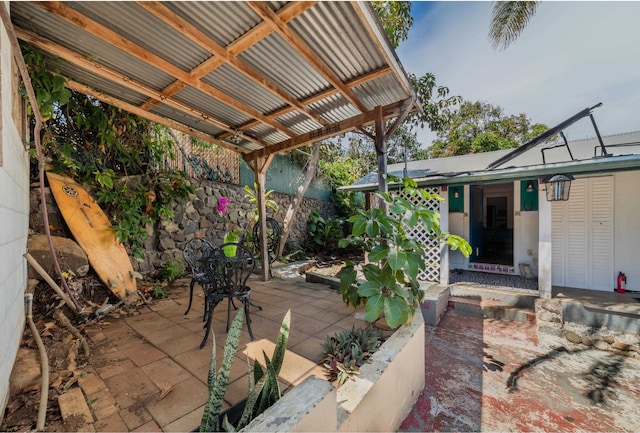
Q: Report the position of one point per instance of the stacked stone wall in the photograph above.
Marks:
(198, 217)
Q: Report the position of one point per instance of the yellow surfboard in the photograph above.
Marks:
(93, 232)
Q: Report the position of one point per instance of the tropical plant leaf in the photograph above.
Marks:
(375, 305)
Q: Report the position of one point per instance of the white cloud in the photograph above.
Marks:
(571, 56)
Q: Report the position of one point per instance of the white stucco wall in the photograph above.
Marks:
(626, 227)
(14, 218)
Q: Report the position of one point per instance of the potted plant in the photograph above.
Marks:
(394, 258)
(264, 390)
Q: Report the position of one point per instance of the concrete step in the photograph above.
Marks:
(490, 309)
(520, 298)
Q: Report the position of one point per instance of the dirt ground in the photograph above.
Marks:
(65, 352)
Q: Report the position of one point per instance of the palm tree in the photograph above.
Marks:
(508, 20)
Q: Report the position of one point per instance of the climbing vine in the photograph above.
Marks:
(119, 155)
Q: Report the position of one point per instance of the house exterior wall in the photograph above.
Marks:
(14, 214)
(626, 227)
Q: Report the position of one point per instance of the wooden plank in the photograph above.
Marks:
(196, 36)
(263, 10)
(73, 17)
(117, 77)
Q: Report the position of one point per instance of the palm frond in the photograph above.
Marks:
(508, 20)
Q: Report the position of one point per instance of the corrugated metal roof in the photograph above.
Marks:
(457, 167)
(274, 76)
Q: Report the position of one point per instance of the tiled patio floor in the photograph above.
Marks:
(135, 359)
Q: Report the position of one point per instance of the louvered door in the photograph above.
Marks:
(582, 236)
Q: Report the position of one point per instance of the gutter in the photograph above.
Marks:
(583, 167)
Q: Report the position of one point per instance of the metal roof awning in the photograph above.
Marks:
(258, 78)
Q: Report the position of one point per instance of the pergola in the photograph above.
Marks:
(258, 78)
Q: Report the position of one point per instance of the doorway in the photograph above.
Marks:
(491, 224)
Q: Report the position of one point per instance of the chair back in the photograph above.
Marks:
(229, 268)
(195, 254)
(274, 233)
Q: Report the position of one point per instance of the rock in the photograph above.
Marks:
(608, 339)
(546, 316)
(572, 337)
(70, 255)
(587, 341)
(601, 345)
(618, 345)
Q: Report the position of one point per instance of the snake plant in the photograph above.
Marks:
(264, 390)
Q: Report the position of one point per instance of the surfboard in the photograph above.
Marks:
(92, 230)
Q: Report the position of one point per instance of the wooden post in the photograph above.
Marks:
(259, 165)
(381, 151)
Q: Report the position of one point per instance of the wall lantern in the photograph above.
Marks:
(558, 186)
(456, 193)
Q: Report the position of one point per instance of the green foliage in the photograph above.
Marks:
(481, 127)
(264, 389)
(345, 352)
(324, 234)
(508, 20)
(396, 19)
(159, 292)
(218, 381)
(252, 196)
(170, 270)
(394, 258)
(121, 156)
(48, 86)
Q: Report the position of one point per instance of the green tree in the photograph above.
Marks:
(508, 20)
(481, 127)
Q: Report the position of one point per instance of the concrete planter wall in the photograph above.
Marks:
(377, 400)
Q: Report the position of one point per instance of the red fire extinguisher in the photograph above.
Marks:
(622, 282)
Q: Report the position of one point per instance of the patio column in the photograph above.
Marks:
(259, 165)
(381, 150)
(544, 245)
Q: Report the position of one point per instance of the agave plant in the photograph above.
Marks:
(263, 383)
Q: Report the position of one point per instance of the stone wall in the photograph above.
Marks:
(198, 217)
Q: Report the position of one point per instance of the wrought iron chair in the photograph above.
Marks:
(228, 268)
(274, 232)
(195, 254)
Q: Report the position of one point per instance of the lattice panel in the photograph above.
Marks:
(430, 244)
(198, 161)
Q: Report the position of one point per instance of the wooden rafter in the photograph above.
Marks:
(117, 77)
(388, 111)
(196, 36)
(318, 97)
(79, 87)
(263, 10)
(71, 16)
(244, 42)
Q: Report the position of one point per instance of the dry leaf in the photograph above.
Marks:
(165, 392)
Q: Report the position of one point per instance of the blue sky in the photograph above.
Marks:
(571, 56)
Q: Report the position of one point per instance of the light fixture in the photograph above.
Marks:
(558, 186)
(456, 194)
(530, 187)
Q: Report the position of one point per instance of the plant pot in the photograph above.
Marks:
(234, 413)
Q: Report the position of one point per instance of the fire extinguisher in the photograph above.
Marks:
(622, 282)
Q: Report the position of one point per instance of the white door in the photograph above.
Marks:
(582, 236)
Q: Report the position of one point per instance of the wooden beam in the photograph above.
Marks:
(388, 111)
(73, 17)
(244, 42)
(117, 77)
(180, 25)
(79, 87)
(265, 12)
(320, 96)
